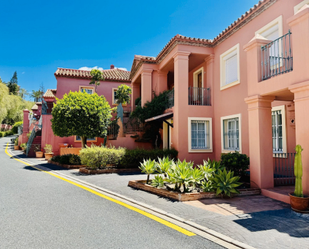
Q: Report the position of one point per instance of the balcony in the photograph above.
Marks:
(276, 57)
(199, 96)
(196, 96)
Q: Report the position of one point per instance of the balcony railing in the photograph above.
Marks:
(276, 57)
(170, 97)
(199, 96)
(284, 169)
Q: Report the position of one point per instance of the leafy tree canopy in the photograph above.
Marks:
(123, 94)
(13, 85)
(96, 76)
(81, 114)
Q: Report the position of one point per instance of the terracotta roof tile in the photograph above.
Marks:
(109, 75)
(50, 93)
(180, 39)
(35, 107)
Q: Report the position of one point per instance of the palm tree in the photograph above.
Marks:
(23, 93)
(37, 95)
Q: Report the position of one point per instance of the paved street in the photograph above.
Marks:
(257, 221)
(42, 211)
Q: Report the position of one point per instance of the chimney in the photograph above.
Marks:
(112, 66)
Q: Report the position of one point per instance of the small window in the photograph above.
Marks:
(78, 139)
(87, 90)
(229, 68)
(278, 129)
(300, 5)
(114, 96)
(231, 139)
(200, 135)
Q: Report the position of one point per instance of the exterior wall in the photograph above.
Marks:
(65, 85)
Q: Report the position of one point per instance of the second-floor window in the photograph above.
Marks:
(229, 67)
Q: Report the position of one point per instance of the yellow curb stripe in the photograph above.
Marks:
(151, 216)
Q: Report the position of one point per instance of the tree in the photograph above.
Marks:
(36, 95)
(81, 114)
(13, 85)
(23, 93)
(96, 76)
(123, 94)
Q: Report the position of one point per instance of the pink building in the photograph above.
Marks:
(246, 90)
(76, 80)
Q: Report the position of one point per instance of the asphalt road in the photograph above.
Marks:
(38, 210)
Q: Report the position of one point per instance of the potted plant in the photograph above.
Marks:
(48, 151)
(38, 152)
(23, 146)
(298, 201)
(16, 147)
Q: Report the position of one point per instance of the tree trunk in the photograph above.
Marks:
(84, 141)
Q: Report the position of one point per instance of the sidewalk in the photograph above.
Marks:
(257, 221)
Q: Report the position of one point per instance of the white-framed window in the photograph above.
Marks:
(278, 129)
(114, 90)
(231, 133)
(199, 134)
(87, 89)
(300, 5)
(229, 68)
(78, 139)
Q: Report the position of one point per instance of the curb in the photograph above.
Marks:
(201, 228)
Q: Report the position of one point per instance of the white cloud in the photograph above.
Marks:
(90, 68)
(122, 68)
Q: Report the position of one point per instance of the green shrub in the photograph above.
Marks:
(16, 141)
(236, 162)
(70, 159)
(16, 125)
(8, 133)
(1, 134)
(133, 158)
(97, 157)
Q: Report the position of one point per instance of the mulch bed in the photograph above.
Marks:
(187, 196)
(107, 171)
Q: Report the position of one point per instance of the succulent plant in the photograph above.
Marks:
(298, 171)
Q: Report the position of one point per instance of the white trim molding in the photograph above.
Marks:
(195, 77)
(268, 26)
(284, 136)
(223, 58)
(300, 5)
(207, 120)
(223, 150)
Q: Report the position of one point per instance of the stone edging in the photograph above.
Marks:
(187, 196)
(106, 171)
(67, 166)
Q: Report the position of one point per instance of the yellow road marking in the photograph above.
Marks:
(151, 216)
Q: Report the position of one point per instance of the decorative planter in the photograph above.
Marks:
(299, 204)
(66, 151)
(16, 147)
(48, 155)
(39, 154)
(186, 196)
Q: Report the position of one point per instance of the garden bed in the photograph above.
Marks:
(67, 166)
(141, 184)
(106, 171)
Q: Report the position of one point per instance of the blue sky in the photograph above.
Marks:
(39, 36)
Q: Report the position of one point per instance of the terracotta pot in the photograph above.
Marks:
(16, 147)
(299, 203)
(39, 154)
(48, 155)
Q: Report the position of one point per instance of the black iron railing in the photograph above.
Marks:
(284, 169)
(199, 96)
(276, 57)
(170, 97)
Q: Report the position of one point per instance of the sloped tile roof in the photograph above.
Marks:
(35, 107)
(109, 75)
(50, 93)
(180, 39)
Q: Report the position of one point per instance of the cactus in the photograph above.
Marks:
(298, 171)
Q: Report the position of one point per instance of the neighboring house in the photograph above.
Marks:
(246, 90)
(77, 80)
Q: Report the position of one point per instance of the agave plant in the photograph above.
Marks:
(207, 169)
(207, 186)
(157, 182)
(196, 177)
(182, 174)
(164, 165)
(226, 182)
(148, 167)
